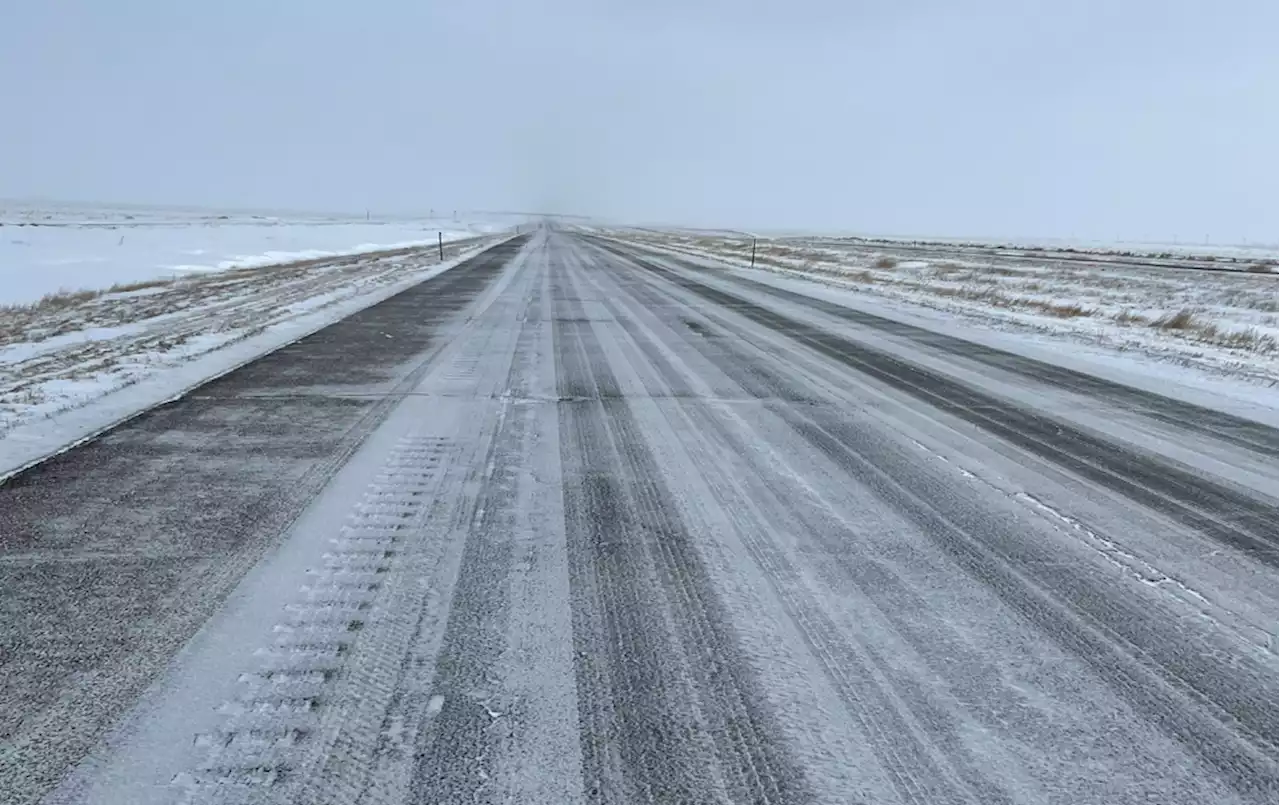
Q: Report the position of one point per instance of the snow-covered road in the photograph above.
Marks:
(575, 523)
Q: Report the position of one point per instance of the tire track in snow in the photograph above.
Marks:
(920, 768)
(163, 516)
(1252, 436)
(471, 714)
(361, 744)
(1223, 719)
(644, 740)
(1236, 520)
(339, 630)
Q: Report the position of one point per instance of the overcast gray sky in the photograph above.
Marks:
(1104, 119)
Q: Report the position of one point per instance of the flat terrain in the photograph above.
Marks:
(1215, 313)
(47, 248)
(573, 522)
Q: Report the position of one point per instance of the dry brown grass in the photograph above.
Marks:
(708, 243)
(50, 302)
(17, 319)
(945, 270)
(1061, 311)
(20, 395)
(1248, 340)
(996, 298)
(1184, 319)
(981, 285)
(64, 299)
(1001, 271)
(1128, 317)
(988, 296)
(126, 287)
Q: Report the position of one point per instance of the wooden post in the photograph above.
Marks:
(753, 252)
(440, 242)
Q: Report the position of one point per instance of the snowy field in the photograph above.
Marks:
(1215, 323)
(49, 248)
(1228, 253)
(74, 363)
(1238, 254)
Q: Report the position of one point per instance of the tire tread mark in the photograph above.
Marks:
(621, 658)
(456, 748)
(1234, 519)
(754, 769)
(1236, 734)
(25, 767)
(916, 768)
(1253, 436)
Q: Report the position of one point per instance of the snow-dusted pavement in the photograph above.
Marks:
(574, 523)
(1149, 307)
(71, 369)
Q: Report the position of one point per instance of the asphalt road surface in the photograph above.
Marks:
(575, 522)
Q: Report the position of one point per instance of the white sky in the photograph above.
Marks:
(1123, 119)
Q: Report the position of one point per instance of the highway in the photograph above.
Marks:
(579, 522)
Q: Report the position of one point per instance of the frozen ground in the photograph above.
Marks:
(1220, 324)
(49, 248)
(77, 363)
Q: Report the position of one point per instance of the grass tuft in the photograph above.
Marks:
(1127, 316)
(1070, 311)
(1184, 319)
(125, 287)
(64, 299)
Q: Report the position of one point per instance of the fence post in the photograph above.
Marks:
(753, 252)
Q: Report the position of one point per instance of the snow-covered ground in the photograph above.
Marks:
(1215, 324)
(76, 364)
(1206, 252)
(48, 248)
